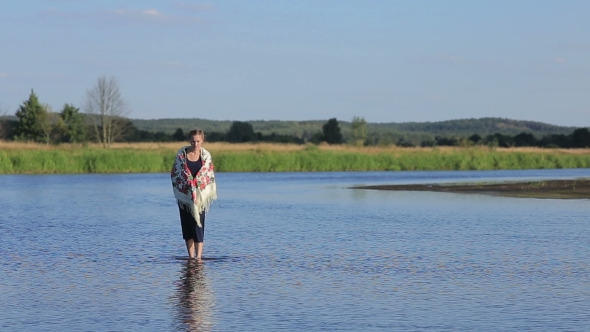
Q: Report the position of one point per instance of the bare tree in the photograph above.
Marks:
(50, 124)
(106, 108)
(45, 122)
(359, 131)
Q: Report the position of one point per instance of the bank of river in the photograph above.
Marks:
(576, 188)
(71, 160)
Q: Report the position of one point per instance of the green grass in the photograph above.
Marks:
(84, 161)
(96, 160)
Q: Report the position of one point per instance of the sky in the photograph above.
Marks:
(384, 60)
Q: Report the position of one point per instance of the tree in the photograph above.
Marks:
(581, 138)
(73, 123)
(331, 130)
(46, 123)
(30, 114)
(179, 135)
(499, 140)
(475, 138)
(525, 139)
(556, 141)
(359, 131)
(107, 109)
(241, 132)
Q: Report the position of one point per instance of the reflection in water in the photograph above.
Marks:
(195, 298)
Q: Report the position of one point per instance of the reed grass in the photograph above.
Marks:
(22, 158)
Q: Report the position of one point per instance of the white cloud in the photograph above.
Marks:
(457, 61)
(136, 14)
(166, 64)
(152, 12)
(64, 1)
(119, 16)
(195, 7)
(151, 15)
(134, 65)
(439, 58)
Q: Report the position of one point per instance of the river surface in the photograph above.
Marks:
(293, 252)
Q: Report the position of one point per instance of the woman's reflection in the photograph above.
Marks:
(195, 298)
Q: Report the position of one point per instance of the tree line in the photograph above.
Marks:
(104, 121)
(579, 138)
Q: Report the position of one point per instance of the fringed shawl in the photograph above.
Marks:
(195, 194)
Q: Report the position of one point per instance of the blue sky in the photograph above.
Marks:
(384, 60)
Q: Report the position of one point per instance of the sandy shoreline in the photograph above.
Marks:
(563, 189)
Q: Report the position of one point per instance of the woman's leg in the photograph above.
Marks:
(190, 248)
(199, 250)
(188, 226)
(200, 236)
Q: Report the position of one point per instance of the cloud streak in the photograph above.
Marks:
(133, 65)
(121, 16)
(150, 15)
(193, 7)
(445, 59)
(64, 1)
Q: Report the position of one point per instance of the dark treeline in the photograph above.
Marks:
(36, 122)
(580, 138)
(243, 132)
(240, 132)
(307, 129)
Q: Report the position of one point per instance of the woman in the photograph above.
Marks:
(193, 183)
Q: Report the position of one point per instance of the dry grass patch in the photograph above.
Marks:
(4, 145)
(543, 150)
(276, 147)
(216, 146)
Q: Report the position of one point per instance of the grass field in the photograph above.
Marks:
(19, 158)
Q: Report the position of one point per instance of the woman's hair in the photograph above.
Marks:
(195, 132)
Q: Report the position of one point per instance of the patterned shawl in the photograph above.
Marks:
(195, 194)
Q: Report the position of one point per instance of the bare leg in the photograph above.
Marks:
(190, 248)
(199, 250)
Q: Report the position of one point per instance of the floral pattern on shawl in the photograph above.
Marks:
(196, 193)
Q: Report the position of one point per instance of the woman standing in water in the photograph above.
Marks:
(193, 183)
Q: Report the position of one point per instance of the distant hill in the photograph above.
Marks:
(482, 126)
(411, 132)
(461, 127)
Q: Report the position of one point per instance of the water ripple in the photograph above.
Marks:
(290, 252)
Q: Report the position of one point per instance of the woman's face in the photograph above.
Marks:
(196, 141)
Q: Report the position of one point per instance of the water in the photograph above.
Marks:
(292, 251)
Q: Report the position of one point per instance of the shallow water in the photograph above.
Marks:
(292, 251)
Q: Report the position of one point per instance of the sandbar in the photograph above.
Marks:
(561, 189)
